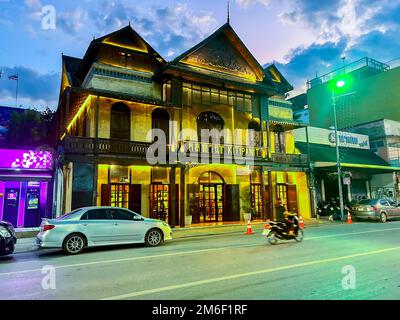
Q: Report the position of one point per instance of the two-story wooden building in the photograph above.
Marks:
(122, 88)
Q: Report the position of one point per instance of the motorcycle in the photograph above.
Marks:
(279, 231)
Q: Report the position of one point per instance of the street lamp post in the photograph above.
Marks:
(339, 84)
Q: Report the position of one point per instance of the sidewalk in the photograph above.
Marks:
(26, 239)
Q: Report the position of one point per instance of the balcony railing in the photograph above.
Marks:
(292, 159)
(82, 146)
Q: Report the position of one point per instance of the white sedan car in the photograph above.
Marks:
(101, 226)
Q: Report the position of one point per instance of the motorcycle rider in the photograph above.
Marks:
(284, 217)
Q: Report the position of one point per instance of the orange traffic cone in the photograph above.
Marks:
(249, 230)
(301, 222)
(349, 220)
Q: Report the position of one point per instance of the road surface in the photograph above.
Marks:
(335, 261)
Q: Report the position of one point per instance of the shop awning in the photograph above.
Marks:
(324, 156)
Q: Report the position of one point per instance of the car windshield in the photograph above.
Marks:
(369, 202)
(69, 215)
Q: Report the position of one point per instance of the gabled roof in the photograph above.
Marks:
(234, 58)
(126, 38)
(129, 39)
(71, 65)
(274, 75)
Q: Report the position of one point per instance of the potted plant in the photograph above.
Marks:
(188, 218)
(247, 208)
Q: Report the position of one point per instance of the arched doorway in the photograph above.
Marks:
(209, 120)
(160, 120)
(120, 127)
(211, 197)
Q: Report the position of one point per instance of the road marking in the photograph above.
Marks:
(182, 253)
(126, 259)
(246, 274)
(350, 234)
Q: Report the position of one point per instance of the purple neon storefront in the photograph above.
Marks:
(26, 186)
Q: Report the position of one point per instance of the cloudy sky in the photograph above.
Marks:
(303, 37)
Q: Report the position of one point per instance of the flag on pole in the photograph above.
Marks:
(14, 77)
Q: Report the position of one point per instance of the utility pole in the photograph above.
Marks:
(339, 170)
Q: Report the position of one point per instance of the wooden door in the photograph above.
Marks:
(135, 198)
(269, 214)
(105, 195)
(231, 202)
(194, 201)
(292, 198)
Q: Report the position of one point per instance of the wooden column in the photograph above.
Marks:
(264, 204)
(271, 194)
(182, 197)
(172, 189)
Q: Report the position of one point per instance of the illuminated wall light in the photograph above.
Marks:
(118, 45)
(192, 65)
(83, 107)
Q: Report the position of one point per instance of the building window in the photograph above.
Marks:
(160, 120)
(279, 135)
(200, 95)
(120, 128)
(119, 174)
(119, 196)
(167, 91)
(208, 121)
(159, 201)
(281, 193)
(256, 192)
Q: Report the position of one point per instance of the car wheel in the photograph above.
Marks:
(383, 217)
(74, 244)
(153, 238)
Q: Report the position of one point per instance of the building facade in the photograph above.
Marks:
(115, 101)
(365, 174)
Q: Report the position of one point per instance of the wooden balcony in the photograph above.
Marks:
(290, 159)
(91, 146)
(83, 145)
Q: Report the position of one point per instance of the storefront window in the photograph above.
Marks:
(281, 193)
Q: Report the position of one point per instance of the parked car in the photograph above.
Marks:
(8, 238)
(101, 226)
(376, 209)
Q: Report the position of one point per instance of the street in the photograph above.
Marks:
(224, 267)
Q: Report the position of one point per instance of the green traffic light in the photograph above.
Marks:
(340, 83)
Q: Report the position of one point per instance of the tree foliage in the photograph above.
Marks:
(30, 129)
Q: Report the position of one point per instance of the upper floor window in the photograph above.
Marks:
(200, 95)
(167, 91)
(279, 138)
(208, 121)
(120, 127)
(160, 120)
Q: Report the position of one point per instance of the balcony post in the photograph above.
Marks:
(172, 184)
(96, 126)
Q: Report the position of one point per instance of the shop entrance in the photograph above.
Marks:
(211, 197)
(159, 201)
